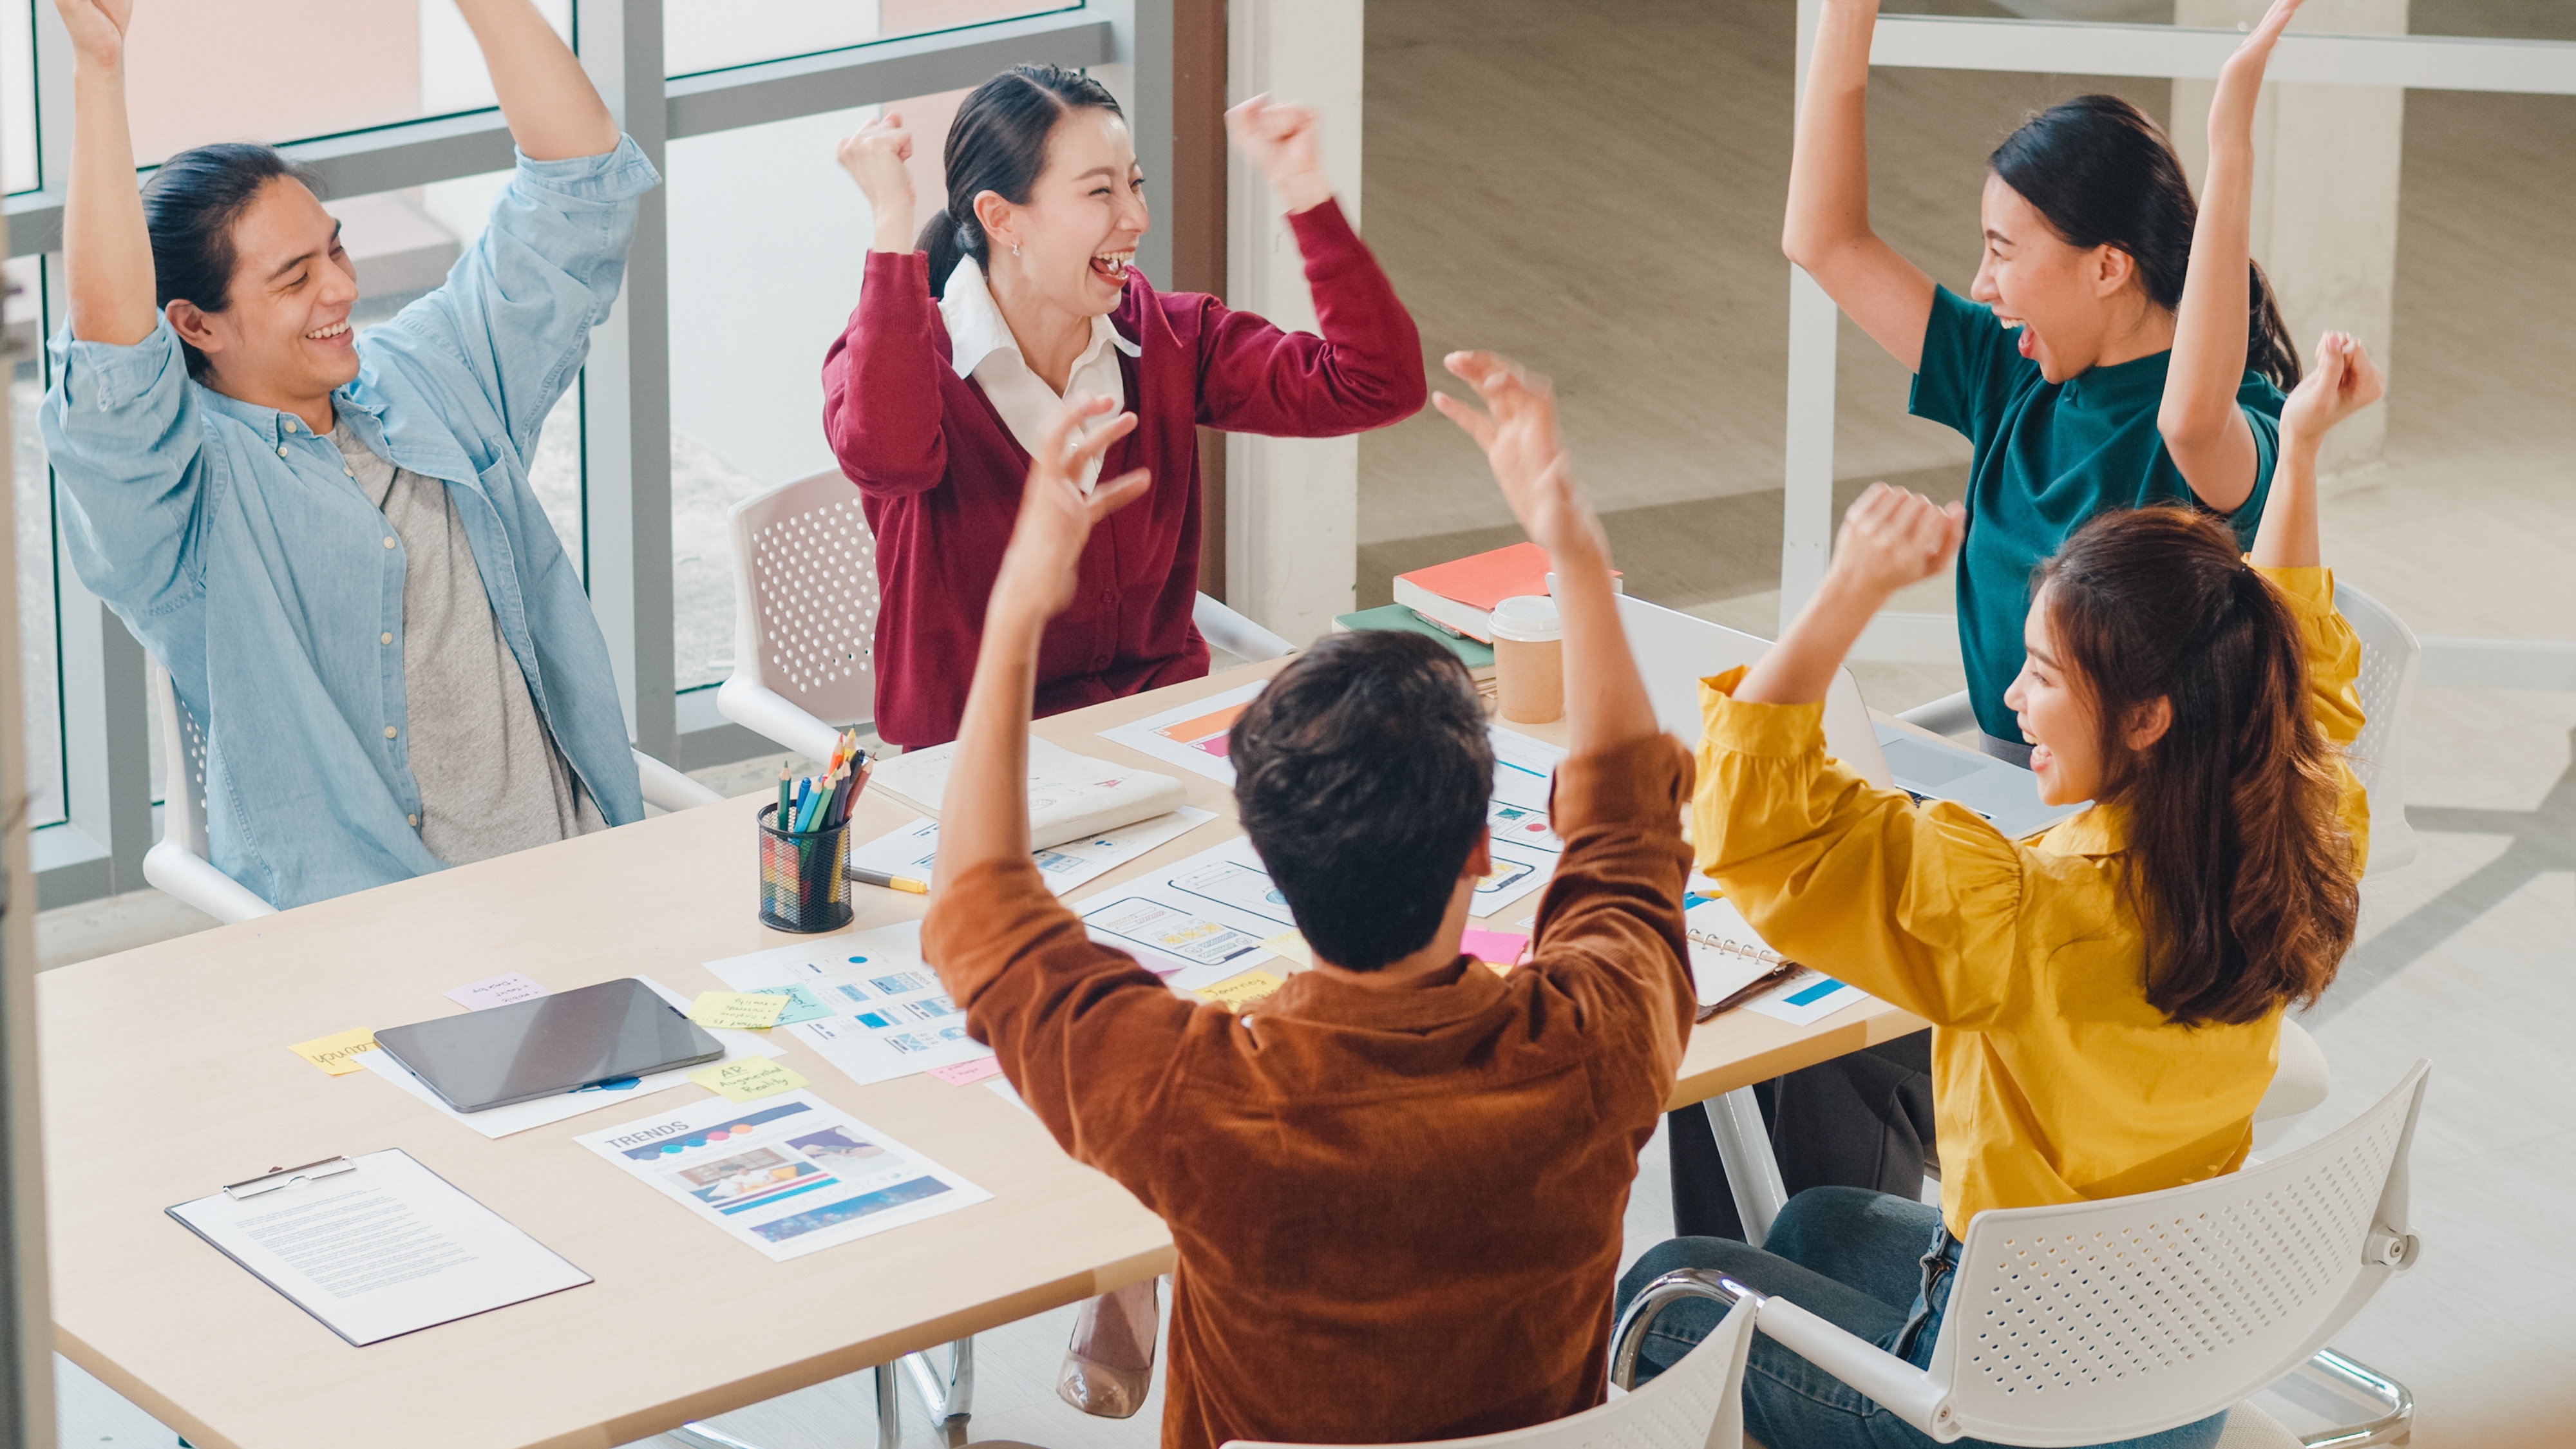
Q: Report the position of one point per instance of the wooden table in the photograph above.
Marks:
(166, 1074)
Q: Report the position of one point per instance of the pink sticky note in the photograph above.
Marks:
(1496, 948)
(968, 1072)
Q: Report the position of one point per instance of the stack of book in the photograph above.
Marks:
(1454, 602)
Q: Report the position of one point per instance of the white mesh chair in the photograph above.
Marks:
(2389, 656)
(179, 863)
(805, 616)
(1698, 1403)
(2099, 1321)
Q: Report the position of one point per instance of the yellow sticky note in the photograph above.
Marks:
(338, 1053)
(1237, 992)
(751, 1077)
(1292, 945)
(740, 1010)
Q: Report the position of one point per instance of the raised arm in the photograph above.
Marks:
(1889, 539)
(1605, 700)
(554, 112)
(1828, 231)
(107, 255)
(2203, 428)
(2343, 382)
(882, 414)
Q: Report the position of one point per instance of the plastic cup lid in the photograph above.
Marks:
(1527, 619)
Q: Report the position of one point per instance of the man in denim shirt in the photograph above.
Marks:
(329, 539)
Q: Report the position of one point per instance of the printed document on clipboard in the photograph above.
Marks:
(376, 1246)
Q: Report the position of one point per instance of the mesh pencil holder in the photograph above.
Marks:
(804, 879)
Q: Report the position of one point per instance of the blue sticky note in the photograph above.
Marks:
(802, 1005)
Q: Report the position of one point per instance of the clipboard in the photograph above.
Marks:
(375, 1247)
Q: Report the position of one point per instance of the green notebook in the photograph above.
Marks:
(1397, 616)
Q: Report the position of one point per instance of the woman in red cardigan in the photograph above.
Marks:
(1022, 293)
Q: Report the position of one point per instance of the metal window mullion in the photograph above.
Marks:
(1807, 482)
(626, 395)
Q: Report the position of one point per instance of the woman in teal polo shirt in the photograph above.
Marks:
(2118, 349)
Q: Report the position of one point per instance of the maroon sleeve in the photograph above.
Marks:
(881, 406)
(1093, 1042)
(1364, 372)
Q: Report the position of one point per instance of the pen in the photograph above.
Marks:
(783, 777)
(890, 882)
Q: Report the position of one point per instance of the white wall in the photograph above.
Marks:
(1292, 504)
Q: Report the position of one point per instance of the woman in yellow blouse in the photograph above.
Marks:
(2106, 999)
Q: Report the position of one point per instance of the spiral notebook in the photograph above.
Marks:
(1731, 963)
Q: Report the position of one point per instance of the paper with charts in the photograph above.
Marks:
(1193, 735)
(913, 850)
(890, 1018)
(1205, 919)
(787, 1174)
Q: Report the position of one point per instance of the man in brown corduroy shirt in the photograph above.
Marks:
(1396, 1183)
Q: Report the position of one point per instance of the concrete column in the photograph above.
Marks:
(2325, 192)
(1292, 526)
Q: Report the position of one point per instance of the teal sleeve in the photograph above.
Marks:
(1971, 364)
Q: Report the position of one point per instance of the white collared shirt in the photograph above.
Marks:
(984, 349)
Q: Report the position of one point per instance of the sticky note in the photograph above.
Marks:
(1498, 949)
(1292, 945)
(740, 1010)
(802, 1005)
(746, 1079)
(337, 1054)
(1240, 991)
(966, 1073)
(492, 991)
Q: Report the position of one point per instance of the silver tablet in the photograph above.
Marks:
(558, 1043)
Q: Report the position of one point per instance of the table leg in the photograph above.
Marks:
(950, 1400)
(1752, 1173)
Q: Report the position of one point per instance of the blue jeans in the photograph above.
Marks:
(1877, 1266)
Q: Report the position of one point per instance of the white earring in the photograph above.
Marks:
(1015, 249)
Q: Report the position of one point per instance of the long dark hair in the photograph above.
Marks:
(189, 208)
(2104, 175)
(998, 143)
(2240, 871)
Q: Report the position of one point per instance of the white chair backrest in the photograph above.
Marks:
(2389, 655)
(183, 764)
(805, 597)
(1698, 1403)
(2102, 1321)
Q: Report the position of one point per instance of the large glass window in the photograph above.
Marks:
(33, 504)
(704, 35)
(17, 95)
(328, 66)
(768, 242)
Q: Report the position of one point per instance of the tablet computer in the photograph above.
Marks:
(558, 1043)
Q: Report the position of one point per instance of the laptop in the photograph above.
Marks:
(1676, 650)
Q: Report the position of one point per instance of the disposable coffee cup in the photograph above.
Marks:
(1529, 659)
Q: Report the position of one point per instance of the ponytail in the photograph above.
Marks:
(2103, 174)
(948, 244)
(2268, 350)
(998, 143)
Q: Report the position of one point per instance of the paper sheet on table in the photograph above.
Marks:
(1197, 921)
(520, 1116)
(1070, 795)
(1806, 998)
(1522, 767)
(493, 991)
(1193, 735)
(385, 1248)
(786, 1175)
(912, 850)
(890, 1018)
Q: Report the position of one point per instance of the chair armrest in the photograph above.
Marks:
(668, 788)
(1899, 1387)
(193, 879)
(1235, 634)
(775, 717)
(1948, 715)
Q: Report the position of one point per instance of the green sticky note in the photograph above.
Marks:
(802, 1005)
(740, 1010)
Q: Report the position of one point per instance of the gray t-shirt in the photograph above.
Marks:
(491, 780)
